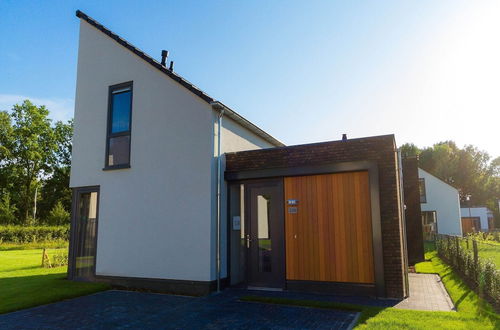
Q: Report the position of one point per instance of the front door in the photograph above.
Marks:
(84, 234)
(264, 239)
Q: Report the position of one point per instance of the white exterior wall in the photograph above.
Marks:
(233, 138)
(155, 218)
(481, 212)
(444, 199)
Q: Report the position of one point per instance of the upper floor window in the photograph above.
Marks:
(421, 187)
(119, 126)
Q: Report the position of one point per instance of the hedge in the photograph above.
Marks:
(33, 234)
(480, 273)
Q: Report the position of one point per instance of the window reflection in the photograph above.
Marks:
(120, 121)
(119, 150)
(264, 237)
(86, 231)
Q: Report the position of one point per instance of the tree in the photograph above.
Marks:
(6, 141)
(7, 210)
(56, 187)
(409, 149)
(63, 136)
(468, 169)
(29, 151)
(58, 215)
(441, 160)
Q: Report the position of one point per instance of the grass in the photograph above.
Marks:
(472, 311)
(24, 283)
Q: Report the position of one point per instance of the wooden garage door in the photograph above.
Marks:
(329, 234)
(470, 225)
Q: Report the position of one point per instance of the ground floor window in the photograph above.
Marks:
(429, 223)
(84, 233)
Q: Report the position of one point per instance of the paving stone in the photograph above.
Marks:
(427, 292)
(136, 310)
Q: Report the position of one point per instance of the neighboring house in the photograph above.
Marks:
(440, 205)
(175, 192)
(478, 218)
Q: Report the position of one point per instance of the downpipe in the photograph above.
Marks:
(218, 220)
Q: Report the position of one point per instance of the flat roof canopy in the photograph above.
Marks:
(283, 161)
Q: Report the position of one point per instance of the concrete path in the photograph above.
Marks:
(427, 293)
(136, 310)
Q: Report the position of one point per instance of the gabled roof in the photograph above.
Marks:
(183, 82)
(446, 183)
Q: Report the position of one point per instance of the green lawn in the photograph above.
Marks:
(24, 283)
(486, 250)
(490, 251)
(472, 312)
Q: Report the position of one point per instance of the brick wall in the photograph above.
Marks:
(380, 149)
(413, 214)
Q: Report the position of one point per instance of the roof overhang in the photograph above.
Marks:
(216, 105)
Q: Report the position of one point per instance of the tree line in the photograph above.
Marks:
(472, 171)
(35, 160)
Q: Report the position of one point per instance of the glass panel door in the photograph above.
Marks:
(85, 235)
(264, 238)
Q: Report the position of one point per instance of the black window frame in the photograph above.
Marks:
(109, 134)
(422, 191)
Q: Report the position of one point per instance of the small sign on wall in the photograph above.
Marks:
(292, 210)
(292, 202)
(236, 222)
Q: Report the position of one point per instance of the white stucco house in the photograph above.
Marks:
(440, 205)
(477, 218)
(171, 191)
(121, 94)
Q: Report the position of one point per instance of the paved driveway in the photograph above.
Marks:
(126, 309)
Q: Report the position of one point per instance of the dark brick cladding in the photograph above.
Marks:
(413, 214)
(382, 150)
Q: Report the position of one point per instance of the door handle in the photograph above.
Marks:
(248, 241)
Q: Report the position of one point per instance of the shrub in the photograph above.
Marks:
(488, 237)
(7, 210)
(58, 215)
(58, 259)
(33, 234)
(482, 273)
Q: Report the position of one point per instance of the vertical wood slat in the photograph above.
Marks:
(468, 224)
(330, 237)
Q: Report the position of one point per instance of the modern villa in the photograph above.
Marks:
(174, 191)
(440, 204)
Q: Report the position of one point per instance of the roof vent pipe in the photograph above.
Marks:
(344, 137)
(164, 55)
(171, 68)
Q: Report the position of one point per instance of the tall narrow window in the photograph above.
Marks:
(119, 125)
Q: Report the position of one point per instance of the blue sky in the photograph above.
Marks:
(305, 71)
